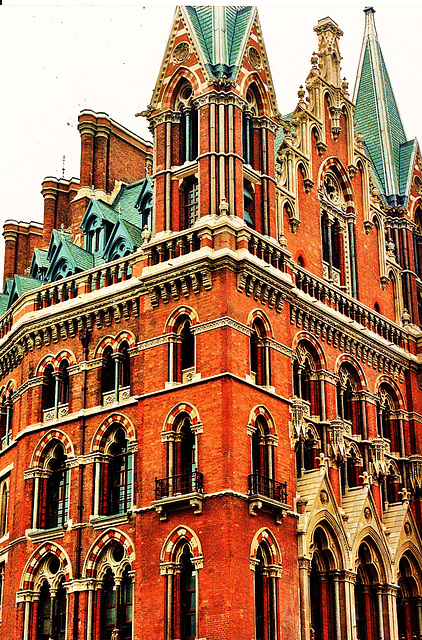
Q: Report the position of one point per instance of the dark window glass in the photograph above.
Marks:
(187, 595)
(120, 475)
(191, 203)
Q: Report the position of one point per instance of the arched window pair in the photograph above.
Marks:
(50, 602)
(113, 489)
(115, 374)
(260, 354)
(182, 351)
(55, 391)
(183, 476)
(51, 488)
(352, 468)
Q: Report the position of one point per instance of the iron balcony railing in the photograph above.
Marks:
(179, 485)
(267, 487)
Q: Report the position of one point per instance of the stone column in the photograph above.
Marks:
(305, 597)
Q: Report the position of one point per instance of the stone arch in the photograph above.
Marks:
(334, 530)
(8, 390)
(63, 356)
(261, 411)
(384, 379)
(345, 358)
(177, 536)
(47, 360)
(113, 419)
(252, 80)
(182, 75)
(335, 165)
(259, 314)
(380, 555)
(54, 434)
(171, 321)
(125, 336)
(304, 335)
(97, 549)
(414, 557)
(106, 341)
(47, 549)
(265, 536)
(178, 410)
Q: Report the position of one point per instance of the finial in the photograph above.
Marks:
(146, 234)
(119, 211)
(345, 87)
(62, 230)
(405, 317)
(301, 94)
(92, 191)
(224, 207)
(63, 161)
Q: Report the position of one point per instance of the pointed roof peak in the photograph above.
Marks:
(220, 32)
(377, 115)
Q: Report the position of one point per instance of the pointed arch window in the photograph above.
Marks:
(324, 590)
(188, 123)
(108, 373)
(349, 401)
(4, 504)
(182, 351)
(408, 598)
(262, 480)
(6, 418)
(114, 474)
(265, 588)
(369, 603)
(182, 594)
(182, 462)
(260, 354)
(390, 422)
(55, 494)
(417, 242)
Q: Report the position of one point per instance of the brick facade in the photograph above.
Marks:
(218, 436)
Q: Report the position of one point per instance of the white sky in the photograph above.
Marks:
(59, 59)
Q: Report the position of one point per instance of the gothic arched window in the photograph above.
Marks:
(190, 202)
(265, 588)
(260, 354)
(182, 351)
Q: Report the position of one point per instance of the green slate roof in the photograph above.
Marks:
(221, 33)
(378, 119)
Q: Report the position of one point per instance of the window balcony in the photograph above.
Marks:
(267, 495)
(179, 485)
(179, 491)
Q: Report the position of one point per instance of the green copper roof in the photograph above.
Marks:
(221, 33)
(378, 119)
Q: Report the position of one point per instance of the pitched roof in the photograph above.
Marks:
(221, 33)
(378, 119)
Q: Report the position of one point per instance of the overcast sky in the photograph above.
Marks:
(59, 59)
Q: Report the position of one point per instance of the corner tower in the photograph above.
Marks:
(214, 115)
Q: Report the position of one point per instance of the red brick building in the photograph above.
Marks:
(210, 362)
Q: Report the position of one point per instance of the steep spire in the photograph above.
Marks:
(378, 119)
(221, 33)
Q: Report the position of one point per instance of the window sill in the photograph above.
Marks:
(192, 500)
(41, 535)
(102, 522)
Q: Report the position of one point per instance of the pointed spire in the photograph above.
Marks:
(377, 116)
